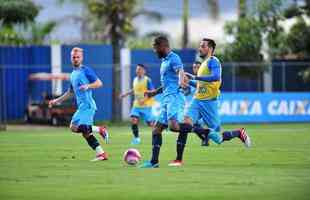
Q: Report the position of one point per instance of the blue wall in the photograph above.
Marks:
(17, 63)
(99, 57)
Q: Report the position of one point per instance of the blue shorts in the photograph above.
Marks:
(83, 116)
(144, 112)
(171, 108)
(207, 110)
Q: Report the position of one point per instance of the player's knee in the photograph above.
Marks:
(186, 127)
(158, 128)
(188, 120)
(150, 123)
(85, 129)
(174, 126)
(74, 128)
(134, 120)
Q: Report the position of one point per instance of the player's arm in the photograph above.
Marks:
(215, 73)
(68, 94)
(192, 83)
(94, 81)
(182, 79)
(93, 85)
(151, 93)
(130, 92)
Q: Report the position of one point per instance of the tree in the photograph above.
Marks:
(39, 32)
(12, 13)
(111, 21)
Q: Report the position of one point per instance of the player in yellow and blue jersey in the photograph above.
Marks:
(189, 93)
(83, 81)
(142, 106)
(205, 102)
(173, 100)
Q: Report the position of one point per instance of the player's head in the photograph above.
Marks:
(196, 66)
(140, 70)
(76, 56)
(206, 47)
(161, 46)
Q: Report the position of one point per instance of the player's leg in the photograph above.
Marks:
(135, 115)
(159, 126)
(135, 130)
(82, 122)
(240, 133)
(210, 115)
(186, 126)
(103, 132)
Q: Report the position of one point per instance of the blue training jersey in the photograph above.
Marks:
(169, 73)
(81, 76)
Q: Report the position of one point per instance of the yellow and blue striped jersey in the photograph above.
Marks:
(208, 89)
(140, 86)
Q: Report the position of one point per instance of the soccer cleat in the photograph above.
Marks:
(175, 163)
(148, 164)
(99, 157)
(104, 134)
(205, 143)
(244, 137)
(136, 141)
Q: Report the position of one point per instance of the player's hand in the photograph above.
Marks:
(52, 102)
(84, 87)
(149, 94)
(189, 75)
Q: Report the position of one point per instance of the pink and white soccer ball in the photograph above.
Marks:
(132, 156)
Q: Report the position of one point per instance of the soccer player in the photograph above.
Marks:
(83, 81)
(205, 102)
(142, 106)
(172, 102)
(189, 92)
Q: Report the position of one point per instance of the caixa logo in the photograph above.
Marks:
(289, 107)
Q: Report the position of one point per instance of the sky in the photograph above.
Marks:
(200, 22)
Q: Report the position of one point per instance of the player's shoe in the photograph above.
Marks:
(136, 141)
(244, 137)
(104, 133)
(99, 157)
(205, 143)
(148, 164)
(175, 163)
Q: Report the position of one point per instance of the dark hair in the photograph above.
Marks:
(159, 40)
(141, 65)
(211, 43)
(197, 62)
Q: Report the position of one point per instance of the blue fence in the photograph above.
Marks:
(16, 65)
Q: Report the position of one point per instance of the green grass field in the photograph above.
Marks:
(51, 163)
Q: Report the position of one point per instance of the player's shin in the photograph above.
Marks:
(182, 138)
(228, 135)
(135, 130)
(156, 142)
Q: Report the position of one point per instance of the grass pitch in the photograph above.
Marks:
(51, 163)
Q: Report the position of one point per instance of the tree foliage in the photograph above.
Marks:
(17, 12)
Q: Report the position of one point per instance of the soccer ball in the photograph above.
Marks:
(132, 156)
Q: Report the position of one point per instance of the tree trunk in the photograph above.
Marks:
(185, 24)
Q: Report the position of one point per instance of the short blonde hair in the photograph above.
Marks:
(77, 49)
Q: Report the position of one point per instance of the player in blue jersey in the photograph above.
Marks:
(83, 81)
(205, 102)
(173, 100)
(142, 106)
